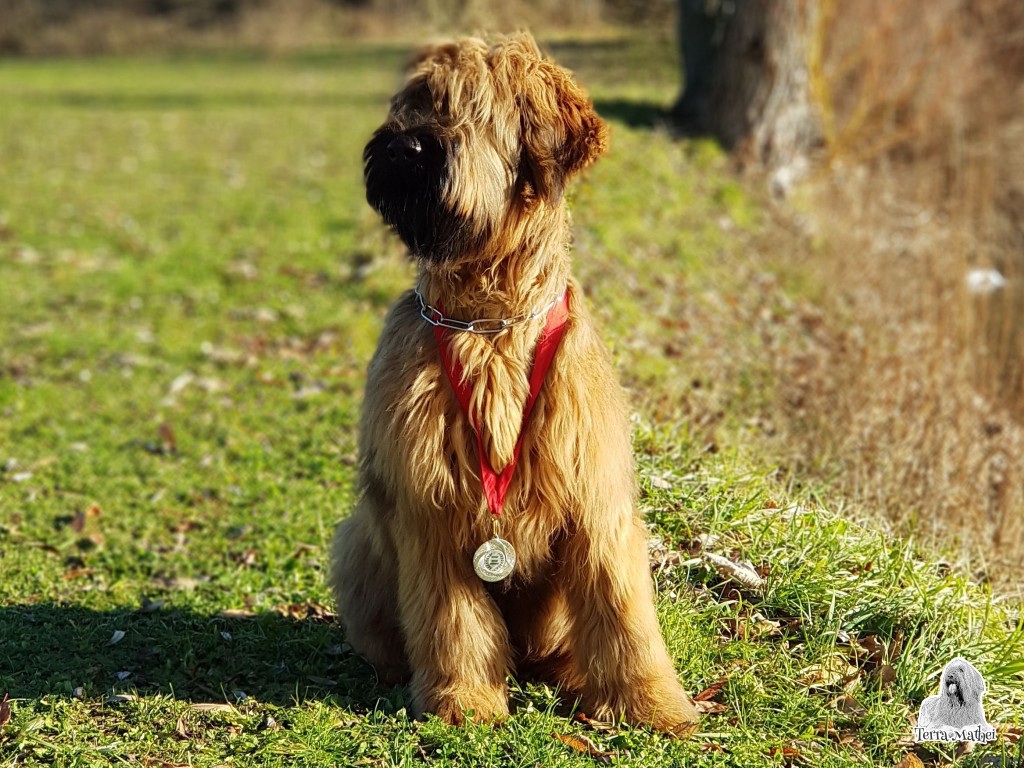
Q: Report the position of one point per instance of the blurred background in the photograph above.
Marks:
(828, 218)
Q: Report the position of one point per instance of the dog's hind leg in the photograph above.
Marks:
(617, 643)
(364, 580)
(456, 639)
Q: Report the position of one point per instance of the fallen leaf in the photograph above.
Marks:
(584, 745)
(706, 541)
(212, 707)
(77, 573)
(910, 760)
(151, 606)
(756, 627)
(709, 746)
(5, 711)
(597, 725)
(848, 737)
(849, 706)
(306, 611)
(181, 730)
(154, 762)
(1010, 733)
(712, 690)
(884, 675)
(964, 748)
(120, 698)
(662, 558)
(766, 627)
(165, 433)
(743, 572)
(873, 647)
(117, 637)
(237, 613)
(246, 559)
(313, 390)
(223, 355)
(833, 671)
(788, 752)
(176, 582)
(268, 723)
(710, 707)
(660, 483)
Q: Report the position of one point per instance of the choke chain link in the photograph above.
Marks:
(436, 317)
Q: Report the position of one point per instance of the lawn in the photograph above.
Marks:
(190, 289)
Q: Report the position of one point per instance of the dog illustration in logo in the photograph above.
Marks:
(958, 703)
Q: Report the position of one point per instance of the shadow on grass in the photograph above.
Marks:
(635, 114)
(54, 649)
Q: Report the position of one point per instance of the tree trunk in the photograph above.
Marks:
(754, 95)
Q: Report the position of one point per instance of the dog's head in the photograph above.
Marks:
(962, 685)
(478, 133)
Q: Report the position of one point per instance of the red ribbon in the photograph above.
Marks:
(496, 483)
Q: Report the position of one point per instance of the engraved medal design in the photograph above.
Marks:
(494, 559)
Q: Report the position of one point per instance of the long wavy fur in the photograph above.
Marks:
(579, 609)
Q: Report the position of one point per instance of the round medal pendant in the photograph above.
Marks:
(494, 559)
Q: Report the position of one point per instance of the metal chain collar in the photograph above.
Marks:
(436, 317)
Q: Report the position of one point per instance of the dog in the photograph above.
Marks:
(462, 450)
(958, 703)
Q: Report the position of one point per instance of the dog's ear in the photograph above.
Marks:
(561, 132)
(977, 682)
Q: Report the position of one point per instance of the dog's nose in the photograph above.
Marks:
(404, 149)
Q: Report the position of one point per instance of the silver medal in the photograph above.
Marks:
(494, 559)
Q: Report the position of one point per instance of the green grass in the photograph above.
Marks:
(190, 289)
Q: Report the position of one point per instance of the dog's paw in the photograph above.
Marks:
(677, 718)
(668, 708)
(661, 705)
(478, 705)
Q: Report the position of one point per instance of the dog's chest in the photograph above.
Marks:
(426, 445)
(496, 375)
(499, 396)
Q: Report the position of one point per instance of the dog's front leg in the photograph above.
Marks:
(456, 640)
(617, 643)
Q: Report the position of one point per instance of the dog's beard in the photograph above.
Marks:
(954, 692)
(408, 196)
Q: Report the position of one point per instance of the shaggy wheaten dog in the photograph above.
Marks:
(958, 703)
(469, 168)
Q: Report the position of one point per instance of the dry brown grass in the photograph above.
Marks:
(915, 408)
(66, 28)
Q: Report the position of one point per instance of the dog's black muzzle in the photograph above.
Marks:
(405, 172)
